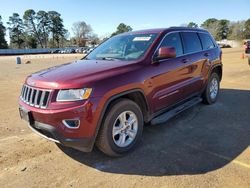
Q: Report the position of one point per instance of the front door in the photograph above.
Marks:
(169, 75)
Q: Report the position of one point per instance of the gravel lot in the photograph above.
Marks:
(206, 146)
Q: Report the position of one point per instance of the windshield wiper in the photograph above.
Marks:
(102, 58)
(85, 58)
(109, 58)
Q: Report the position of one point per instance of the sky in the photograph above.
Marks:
(105, 15)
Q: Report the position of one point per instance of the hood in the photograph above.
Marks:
(78, 73)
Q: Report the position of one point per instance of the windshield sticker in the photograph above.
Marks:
(141, 38)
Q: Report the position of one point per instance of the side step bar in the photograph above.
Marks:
(173, 112)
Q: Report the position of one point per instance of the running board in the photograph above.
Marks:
(171, 113)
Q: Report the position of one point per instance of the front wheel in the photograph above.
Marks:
(211, 92)
(121, 129)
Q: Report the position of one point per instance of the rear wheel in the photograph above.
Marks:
(121, 129)
(211, 92)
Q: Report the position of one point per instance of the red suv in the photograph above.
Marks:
(247, 47)
(131, 79)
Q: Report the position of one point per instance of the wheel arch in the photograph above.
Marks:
(217, 69)
(136, 95)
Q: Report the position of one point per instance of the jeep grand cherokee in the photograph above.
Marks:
(131, 79)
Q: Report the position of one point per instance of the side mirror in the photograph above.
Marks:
(164, 53)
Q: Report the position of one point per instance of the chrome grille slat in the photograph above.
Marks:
(47, 96)
(25, 93)
(42, 98)
(35, 102)
(31, 96)
(22, 91)
(28, 94)
(35, 97)
(39, 98)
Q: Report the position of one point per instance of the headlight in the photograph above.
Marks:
(73, 94)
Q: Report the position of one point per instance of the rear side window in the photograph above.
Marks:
(191, 42)
(173, 40)
(206, 41)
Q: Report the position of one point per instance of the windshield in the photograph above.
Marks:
(124, 47)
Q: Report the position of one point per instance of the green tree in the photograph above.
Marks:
(211, 25)
(30, 41)
(3, 43)
(247, 29)
(29, 18)
(43, 23)
(207, 23)
(192, 24)
(56, 27)
(122, 28)
(16, 30)
(222, 29)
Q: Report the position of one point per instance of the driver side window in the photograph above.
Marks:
(173, 40)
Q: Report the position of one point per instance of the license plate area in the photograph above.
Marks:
(26, 115)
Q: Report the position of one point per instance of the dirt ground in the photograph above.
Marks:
(206, 146)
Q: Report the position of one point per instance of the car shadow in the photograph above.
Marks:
(199, 140)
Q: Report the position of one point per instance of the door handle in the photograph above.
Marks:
(184, 60)
(206, 54)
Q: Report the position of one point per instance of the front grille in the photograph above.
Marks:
(35, 97)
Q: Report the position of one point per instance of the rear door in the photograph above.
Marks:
(194, 61)
(210, 54)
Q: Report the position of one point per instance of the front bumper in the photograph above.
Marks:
(49, 132)
(49, 123)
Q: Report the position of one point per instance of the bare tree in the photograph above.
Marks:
(82, 32)
(94, 39)
(236, 30)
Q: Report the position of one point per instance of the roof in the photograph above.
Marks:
(160, 30)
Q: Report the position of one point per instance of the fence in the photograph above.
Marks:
(30, 51)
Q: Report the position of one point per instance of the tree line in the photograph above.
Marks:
(225, 29)
(43, 29)
(46, 29)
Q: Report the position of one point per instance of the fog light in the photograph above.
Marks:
(71, 123)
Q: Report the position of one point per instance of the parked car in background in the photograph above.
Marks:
(79, 50)
(247, 47)
(222, 45)
(131, 79)
(85, 50)
(89, 50)
(63, 51)
(70, 51)
(55, 51)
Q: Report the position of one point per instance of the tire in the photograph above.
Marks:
(211, 92)
(115, 138)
